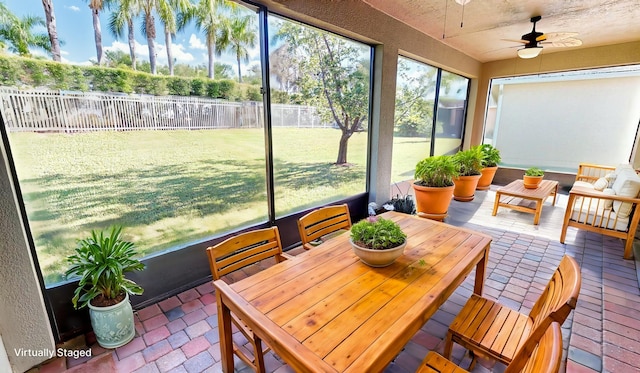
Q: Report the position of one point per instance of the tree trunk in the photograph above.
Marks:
(132, 44)
(342, 150)
(210, 49)
(167, 38)
(151, 36)
(239, 71)
(97, 34)
(51, 28)
(152, 55)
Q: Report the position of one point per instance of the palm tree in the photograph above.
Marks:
(165, 9)
(126, 12)
(96, 6)
(167, 12)
(6, 18)
(18, 33)
(237, 34)
(52, 29)
(207, 19)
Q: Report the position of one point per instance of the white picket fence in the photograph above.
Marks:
(59, 111)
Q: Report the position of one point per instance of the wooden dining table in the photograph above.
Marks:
(326, 311)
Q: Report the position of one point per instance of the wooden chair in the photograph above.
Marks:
(535, 356)
(322, 224)
(235, 253)
(487, 328)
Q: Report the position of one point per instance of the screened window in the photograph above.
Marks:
(422, 92)
(320, 113)
(174, 157)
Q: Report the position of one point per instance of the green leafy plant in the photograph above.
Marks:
(377, 233)
(101, 262)
(469, 161)
(534, 171)
(436, 171)
(490, 155)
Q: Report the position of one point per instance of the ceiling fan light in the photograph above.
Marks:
(463, 2)
(532, 52)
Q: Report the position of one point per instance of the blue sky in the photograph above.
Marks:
(75, 28)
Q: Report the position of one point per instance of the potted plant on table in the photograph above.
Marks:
(433, 186)
(469, 164)
(532, 177)
(490, 159)
(378, 242)
(101, 262)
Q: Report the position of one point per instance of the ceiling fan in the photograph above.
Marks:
(534, 40)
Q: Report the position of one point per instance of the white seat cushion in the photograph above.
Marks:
(595, 214)
(583, 184)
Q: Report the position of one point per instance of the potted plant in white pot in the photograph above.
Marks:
(490, 159)
(532, 177)
(433, 186)
(469, 164)
(378, 242)
(101, 262)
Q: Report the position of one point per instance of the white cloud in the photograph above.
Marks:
(142, 51)
(196, 43)
(73, 8)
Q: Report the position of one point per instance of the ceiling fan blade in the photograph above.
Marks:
(557, 36)
(568, 42)
(517, 41)
(542, 37)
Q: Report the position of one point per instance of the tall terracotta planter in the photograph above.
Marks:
(465, 187)
(433, 202)
(487, 177)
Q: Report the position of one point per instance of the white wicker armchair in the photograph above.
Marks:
(605, 199)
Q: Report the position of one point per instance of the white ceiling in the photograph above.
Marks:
(485, 23)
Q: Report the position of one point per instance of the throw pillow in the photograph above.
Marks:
(600, 184)
(608, 203)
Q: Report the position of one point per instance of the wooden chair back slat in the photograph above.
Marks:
(244, 249)
(323, 221)
(560, 296)
(542, 355)
(537, 355)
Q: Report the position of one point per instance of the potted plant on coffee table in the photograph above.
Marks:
(532, 177)
(490, 159)
(469, 164)
(101, 261)
(378, 242)
(433, 186)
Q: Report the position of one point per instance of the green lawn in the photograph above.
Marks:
(171, 188)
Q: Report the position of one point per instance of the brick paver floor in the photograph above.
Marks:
(180, 334)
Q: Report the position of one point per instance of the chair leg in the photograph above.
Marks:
(448, 345)
(474, 360)
(628, 247)
(258, 356)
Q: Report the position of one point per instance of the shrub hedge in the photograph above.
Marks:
(20, 72)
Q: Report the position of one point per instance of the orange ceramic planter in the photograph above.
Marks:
(465, 187)
(487, 178)
(531, 182)
(433, 202)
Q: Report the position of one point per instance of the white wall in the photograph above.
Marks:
(4, 359)
(23, 319)
(556, 125)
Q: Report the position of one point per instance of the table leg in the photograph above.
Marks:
(481, 269)
(555, 193)
(536, 217)
(495, 204)
(224, 328)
